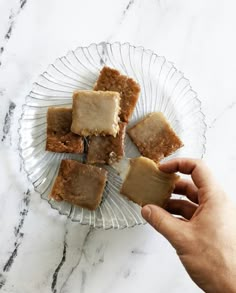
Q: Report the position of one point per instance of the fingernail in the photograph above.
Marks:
(146, 212)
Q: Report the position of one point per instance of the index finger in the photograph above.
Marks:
(199, 172)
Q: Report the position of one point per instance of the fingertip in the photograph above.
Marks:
(152, 213)
(163, 166)
(169, 166)
(146, 212)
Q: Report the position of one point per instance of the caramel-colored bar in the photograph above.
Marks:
(59, 137)
(111, 80)
(146, 184)
(107, 149)
(154, 137)
(95, 113)
(79, 184)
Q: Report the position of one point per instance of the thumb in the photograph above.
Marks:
(173, 229)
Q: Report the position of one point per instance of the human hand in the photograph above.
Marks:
(205, 235)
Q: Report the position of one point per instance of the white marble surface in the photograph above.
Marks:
(43, 252)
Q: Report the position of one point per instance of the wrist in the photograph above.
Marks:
(224, 282)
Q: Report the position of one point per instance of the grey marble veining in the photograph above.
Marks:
(44, 252)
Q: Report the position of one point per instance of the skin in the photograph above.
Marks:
(204, 234)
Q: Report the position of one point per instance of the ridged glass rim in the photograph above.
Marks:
(104, 44)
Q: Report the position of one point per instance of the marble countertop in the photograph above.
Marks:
(41, 251)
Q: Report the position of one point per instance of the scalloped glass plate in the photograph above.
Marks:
(163, 88)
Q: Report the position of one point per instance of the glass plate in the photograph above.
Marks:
(163, 88)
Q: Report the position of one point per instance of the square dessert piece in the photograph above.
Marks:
(111, 80)
(146, 184)
(154, 137)
(95, 113)
(107, 149)
(59, 137)
(79, 184)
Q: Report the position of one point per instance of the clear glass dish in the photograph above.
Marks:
(163, 88)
